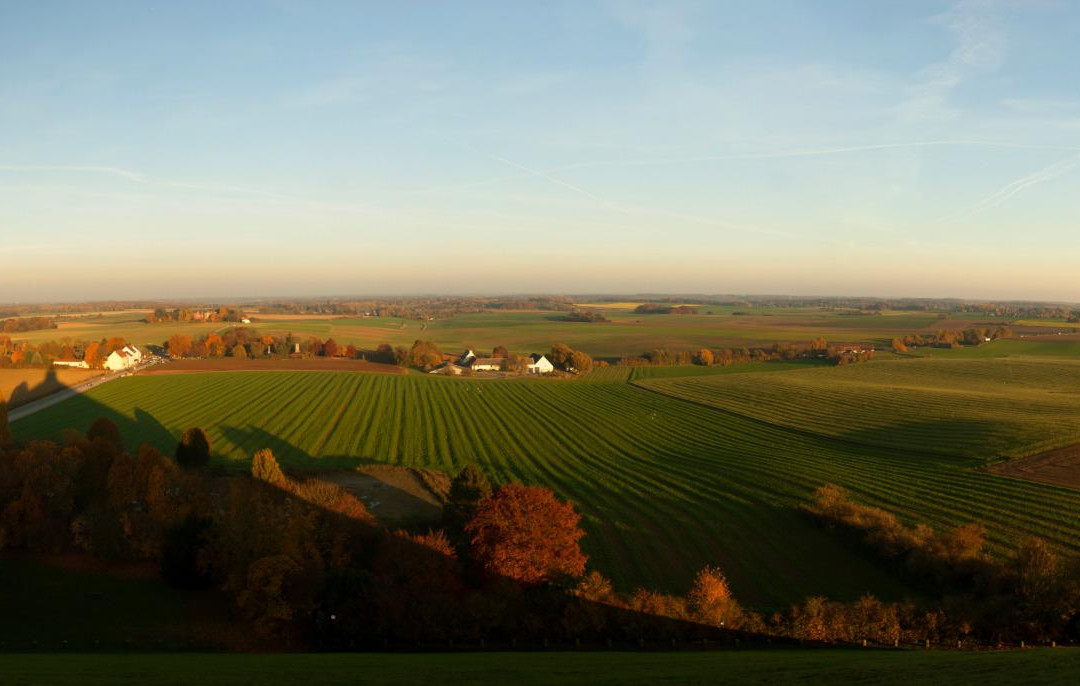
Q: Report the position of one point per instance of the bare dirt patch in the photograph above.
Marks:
(228, 364)
(1060, 467)
(396, 496)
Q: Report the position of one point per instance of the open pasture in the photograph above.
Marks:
(667, 484)
(985, 410)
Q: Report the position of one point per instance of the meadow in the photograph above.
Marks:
(904, 668)
(669, 476)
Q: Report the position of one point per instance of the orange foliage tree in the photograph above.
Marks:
(525, 533)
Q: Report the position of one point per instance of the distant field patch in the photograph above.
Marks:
(21, 386)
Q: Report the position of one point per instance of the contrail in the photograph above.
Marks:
(1059, 168)
(114, 171)
(780, 154)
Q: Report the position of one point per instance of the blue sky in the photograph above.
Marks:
(245, 148)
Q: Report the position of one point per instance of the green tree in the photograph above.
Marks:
(467, 489)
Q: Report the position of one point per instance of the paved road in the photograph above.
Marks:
(62, 395)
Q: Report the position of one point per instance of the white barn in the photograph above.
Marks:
(539, 364)
(125, 358)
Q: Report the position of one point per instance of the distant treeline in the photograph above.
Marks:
(41, 355)
(209, 314)
(951, 338)
(817, 349)
(588, 316)
(21, 324)
(654, 308)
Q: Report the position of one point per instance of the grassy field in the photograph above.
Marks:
(904, 668)
(980, 409)
(627, 333)
(667, 482)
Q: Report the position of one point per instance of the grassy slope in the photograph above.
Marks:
(903, 668)
(980, 409)
(666, 485)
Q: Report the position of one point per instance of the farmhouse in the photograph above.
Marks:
(125, 358)
(487, 364)
(466, 358)
(539, 364)
(73, 363)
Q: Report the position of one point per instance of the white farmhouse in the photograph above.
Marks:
(125, 358)
(539, 364)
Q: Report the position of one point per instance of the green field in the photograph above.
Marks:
(985, 410)
(904, 668)
(669, 477)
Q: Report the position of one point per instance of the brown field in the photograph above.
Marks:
(396, 496)
(228, 364)
(1060, 467)
(21, 386)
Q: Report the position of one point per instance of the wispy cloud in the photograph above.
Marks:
(981, 45)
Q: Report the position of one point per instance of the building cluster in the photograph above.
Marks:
(534, 364)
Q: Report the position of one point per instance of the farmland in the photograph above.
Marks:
(627, 333)
(670, 473)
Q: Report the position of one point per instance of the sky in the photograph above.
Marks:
(201, 149)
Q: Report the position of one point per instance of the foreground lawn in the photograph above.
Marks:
(1044, 666)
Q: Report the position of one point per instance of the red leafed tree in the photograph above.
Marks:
(527, 534)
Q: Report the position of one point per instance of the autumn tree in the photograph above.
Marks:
(525, 533)
(560, 355)
(500, 351)
(265, 467)
(424, 354)
(193, 450)
(581, 362)
(93, 355)
(239, 351)
(331, 348)
(178, 345)
(704, 357)
(710, 600)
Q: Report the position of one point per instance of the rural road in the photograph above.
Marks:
(60, 396)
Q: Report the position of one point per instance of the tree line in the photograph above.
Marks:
(23, 354)
(953, 338)
(21, 324)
